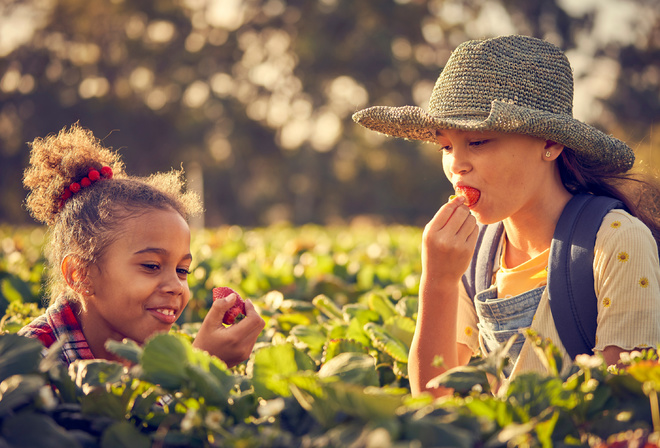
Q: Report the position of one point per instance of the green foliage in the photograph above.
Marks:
(330, 369)
(284, 398)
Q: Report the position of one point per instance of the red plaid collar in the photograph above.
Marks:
(60, 323)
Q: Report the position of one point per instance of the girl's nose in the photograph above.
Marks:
(173, 284)
(457, 162)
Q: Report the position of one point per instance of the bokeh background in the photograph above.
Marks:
(254, 97)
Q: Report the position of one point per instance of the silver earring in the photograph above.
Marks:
(548, 153)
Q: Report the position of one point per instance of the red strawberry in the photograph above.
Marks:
(470, 194)
(234, 315)
(222, 291)
(237, 312)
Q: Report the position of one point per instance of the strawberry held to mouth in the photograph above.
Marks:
(470, 194)
(237, 312)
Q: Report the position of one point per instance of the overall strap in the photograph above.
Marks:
(479, 275)
(570, 272)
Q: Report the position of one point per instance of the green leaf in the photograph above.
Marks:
(27, 429)
(13, 289)
(337, 330)
(143, 403)
(101, 402)
(534, 393)
(430, 431)
(514, 434)
(61, 379)
(243, 406)
(496, 360)
(19, 355)
(484, 406)
(215, 367)
(307, 390)
(272, 365)
(383, 340)
(164, 360)
(360, 312)
(17, 391)
(381, 305)
(365, 277)
(204, 384)
(334, 347)
(295, 306)
(124, 435)
(462, 379)
(310, 335)
(328, 307)
(545, 429)
(407, 306)
(95, 372)
(369, 403)
(355, 330)
(547, 352)
(402, 328)
(400, 369)
(355, 368)
(126, 349)
(288, 321)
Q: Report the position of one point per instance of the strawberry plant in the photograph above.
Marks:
(329, 369)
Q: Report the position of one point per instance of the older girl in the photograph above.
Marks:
(501, 115)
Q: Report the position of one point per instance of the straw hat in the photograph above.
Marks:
(514, 84)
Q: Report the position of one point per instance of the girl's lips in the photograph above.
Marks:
(165, 315)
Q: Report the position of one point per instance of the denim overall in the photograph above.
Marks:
(499, 319)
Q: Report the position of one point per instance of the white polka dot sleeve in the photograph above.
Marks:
(627, 283)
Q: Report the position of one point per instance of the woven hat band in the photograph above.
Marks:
(535, 74)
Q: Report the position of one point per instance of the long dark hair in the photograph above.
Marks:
(639, 193)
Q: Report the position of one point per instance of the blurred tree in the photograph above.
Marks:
(259, 93)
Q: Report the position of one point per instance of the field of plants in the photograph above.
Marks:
(329, 369)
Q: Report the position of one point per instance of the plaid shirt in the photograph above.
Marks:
(59, 323)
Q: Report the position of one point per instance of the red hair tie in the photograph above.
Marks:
(93, 175)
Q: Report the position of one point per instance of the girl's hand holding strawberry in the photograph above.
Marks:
(448, 241)
(233, 344)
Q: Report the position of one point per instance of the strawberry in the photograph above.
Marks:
(470, 194)
(237, 312)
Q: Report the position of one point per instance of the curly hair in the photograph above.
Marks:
(89, 221)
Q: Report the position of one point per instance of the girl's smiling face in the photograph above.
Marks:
(139, 287)
(509, 170)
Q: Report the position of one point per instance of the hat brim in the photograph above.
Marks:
(593, 147)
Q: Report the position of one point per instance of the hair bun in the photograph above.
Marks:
(63, 164)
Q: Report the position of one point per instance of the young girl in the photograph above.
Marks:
(501, 113)
(119, 253)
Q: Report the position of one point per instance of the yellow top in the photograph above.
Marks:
(530, 275)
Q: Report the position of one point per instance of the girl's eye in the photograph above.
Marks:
(150, 266)
(478, 142)
(445, 148)
(183, 271)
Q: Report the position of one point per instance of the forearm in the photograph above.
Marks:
(448, 243)
(435, 334)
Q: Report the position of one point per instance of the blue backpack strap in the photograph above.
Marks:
(570, 272)
(479, 274)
